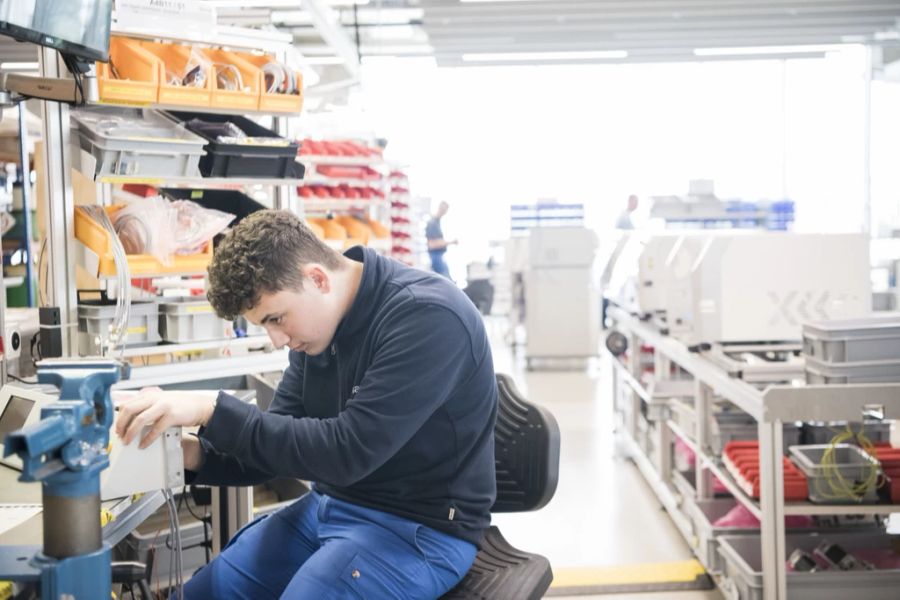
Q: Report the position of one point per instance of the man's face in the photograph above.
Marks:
(443, 207)
(303, 320)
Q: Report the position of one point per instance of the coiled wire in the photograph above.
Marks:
(834, 486)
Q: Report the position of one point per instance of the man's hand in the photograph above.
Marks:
(193, 453)
(159, 410)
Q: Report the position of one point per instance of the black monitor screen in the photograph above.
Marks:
(14, 415)
(78, 27)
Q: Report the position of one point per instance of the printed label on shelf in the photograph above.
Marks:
(171, 16)
(136, 330)
(199, 309)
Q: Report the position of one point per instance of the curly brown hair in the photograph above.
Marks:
(263, 253)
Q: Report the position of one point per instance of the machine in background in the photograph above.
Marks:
(562, 298)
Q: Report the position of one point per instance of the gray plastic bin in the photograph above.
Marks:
(95, 317)
(703, 513)
(188, 320)
(860, 372)
(823, 433)
(138, 142)
(742, 558)
(865, 339)
(730, 426)
(852, 462)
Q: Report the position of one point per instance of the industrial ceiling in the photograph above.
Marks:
(335, 35)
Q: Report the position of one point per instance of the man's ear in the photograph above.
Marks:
(317, 276)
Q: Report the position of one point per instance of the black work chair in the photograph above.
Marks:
(527, 459)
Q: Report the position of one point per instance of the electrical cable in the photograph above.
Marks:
(834, 485)
(167, 544)
(119, 331)
(175, 528)
(20, 380)
(42, 294)
(205, 520)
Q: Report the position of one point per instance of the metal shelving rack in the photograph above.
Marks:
(233, 507)
(377, 208)
(771, 407)
(60, 158)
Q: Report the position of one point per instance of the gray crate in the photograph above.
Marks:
(742, 558)
(731, 426)
(94, 320)
(866, 339)
(859, 372)
(188, 320)
(823, 433)
(703, 513)
(852, 462)
(138, 142)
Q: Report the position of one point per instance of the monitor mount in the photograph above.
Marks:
(77, 90)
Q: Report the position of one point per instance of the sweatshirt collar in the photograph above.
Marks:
(362, 306)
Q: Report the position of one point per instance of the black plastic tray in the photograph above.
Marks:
(242, 160)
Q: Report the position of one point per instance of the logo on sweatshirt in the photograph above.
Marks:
(353, 391)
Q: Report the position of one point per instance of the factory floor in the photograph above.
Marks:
(603, 513)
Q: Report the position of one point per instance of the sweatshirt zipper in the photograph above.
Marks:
(337, 369)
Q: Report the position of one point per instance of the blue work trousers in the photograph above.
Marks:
(321, 548)
(438, 265)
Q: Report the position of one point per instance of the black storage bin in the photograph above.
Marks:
(233, 202)
(240, 160)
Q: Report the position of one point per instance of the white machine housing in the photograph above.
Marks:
(762, 287)
(654, 273)
(562, 298)
(131, 470)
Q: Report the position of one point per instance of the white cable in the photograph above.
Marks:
(119, 334)
(176, 555)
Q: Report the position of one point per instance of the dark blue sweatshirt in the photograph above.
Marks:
(397, 415)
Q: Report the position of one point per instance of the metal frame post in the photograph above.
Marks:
(26, 204)
(702, 404)
(771, 503)
(60, 209)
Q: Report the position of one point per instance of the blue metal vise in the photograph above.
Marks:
(66, 451)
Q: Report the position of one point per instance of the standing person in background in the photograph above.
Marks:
(437, 245)
(624, 220)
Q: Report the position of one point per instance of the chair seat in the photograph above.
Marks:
(502, 572)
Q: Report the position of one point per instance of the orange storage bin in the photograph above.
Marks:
(316, 229)
(288, 103)
(378, 229)
(94, 236)
(356, 229)
(335, 235)
(138, 70)
(174, 59)
(246, 98)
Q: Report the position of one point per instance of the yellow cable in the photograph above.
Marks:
(836, 486)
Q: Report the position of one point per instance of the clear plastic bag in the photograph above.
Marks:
(164, 229)
(197, 225)
(195, 72)
(146, 227)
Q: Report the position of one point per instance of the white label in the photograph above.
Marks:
(169, 15)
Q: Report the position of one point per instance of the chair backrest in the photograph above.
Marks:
(527, 452)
